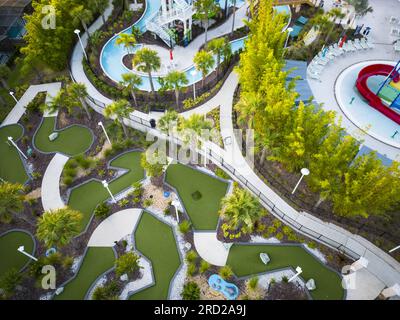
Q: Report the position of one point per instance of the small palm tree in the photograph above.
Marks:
(119, 109)
(131, 81)
(147, 60)
(233, 16)
(334, 14)
(241, 208)
(169, 119)
(77, 92)
(221, 48)
(58, 227)
(176, 80)
(205, 9)
(82, 15)
(11, 200)
(127, 40)
(203, 61)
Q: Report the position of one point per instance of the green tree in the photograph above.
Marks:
(58, 227)
(195, 123)
(4, 74)
(77, 93)
(205, 9)
(127, 40)
(110, 291)
(191, 291)
(241, 208)
(11, 200)
(322, 23)
(334, 14)
(361, 7)
(131, 82)
(168, 121)
(233, 16)
(153, 163)
(101, 6)
(221, 48)
(127, 263)
(9, 281)
(119, 109)
(175, 80)
(82, 15)
(147, 60)
(203, 61)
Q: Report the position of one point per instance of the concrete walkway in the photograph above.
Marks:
(210, 248)
(51, 198)
(115, 227)
(19, 109)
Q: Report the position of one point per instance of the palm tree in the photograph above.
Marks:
(175, 80)
(95, 39)
(4, 73)
(119, 109)
(131, 81)
(11, 200)
(241, 208)
(77, 92)
(248, 106)
(205, 9)
(221, 48)
(127, 40)
(58, 227)
(233, 16)
(321, 22)
(361, 7)
(147, 60)
(334, 14)
(101, 6)
(82, 15)
(203, 61)
(169, 119)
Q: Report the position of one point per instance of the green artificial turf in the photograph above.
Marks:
(11, 167)
(188, 182)
(71, 141)
(96, 261)
(156, 241)
(86, 197)
(9, 256)
(245, 260)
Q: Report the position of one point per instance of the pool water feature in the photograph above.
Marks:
(111, 57)
(229, 290)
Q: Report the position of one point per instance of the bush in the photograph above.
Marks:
(312, 245)
(185, 226)
(147, 203)
(110, 291)
(191, 256)
(191, 269)
(226, 272)
(285, 279)
(9, 281)
(204, 266)
(253, 283)
(127, 263)
(102, 211)
(197, 195)
(191, 291)
(222, 174)
(123, 202)
(35, 105)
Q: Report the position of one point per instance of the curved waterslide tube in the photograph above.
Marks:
(373, 100)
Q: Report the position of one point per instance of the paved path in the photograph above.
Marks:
(115, 227)
(51, 198)
(19, 109)
(210, 248)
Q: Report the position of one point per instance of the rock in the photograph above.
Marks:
(188, 246)
(265, 258)
(310, 285)
(124, 277)
(59, 290)
(53, 136)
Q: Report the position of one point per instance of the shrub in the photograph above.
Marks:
(9, 281)
(221, 173)
(191, 256)
(191, 291)
(196, 195)
(185, 226)
(127, 263)
(191, 269)
(279, 236)
(110, 291)
(312, 245)
(102, 211)
(68, 181)
(123, 202)
(147, 203)
(277, 224)
(253, 283)
(204, 266)
(226, 272)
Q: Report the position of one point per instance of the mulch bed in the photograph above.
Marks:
(286, 291)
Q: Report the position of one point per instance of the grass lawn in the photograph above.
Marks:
(155, 240)
(203, 212)
(71, 141)
(96, 261)
(86, 197)
(244, 261)
(10, 257)
(11, 167)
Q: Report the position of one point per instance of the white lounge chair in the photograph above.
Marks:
(364, 46)
(314, 76)
(394, 20)
(316, 67)
(350, 46)
(336, 46)
(322, 62)
(367, 42)
(356, 45)
(396, 46)
(395, 32)
(335, 52)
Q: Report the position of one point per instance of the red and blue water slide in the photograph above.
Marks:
(373, 100)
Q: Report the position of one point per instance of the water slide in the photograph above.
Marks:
(373, 100)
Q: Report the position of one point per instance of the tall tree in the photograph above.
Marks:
(203, 62)
(221, 48)
(334, 14)
(119, 109)
(78, 93)
(147, 60)
(82, 15)
(11, 200)
(233, 16)
(361, 7)
(131, 82)
(153, 163)
(205, 10)
(175, 80)
(168, 121)
(58, 227)
(127, 40)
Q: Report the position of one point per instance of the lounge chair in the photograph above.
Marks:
(396, 46)
(336, 46)
(367, 42)
(356, 45)
(314, 76)
(316, 67)
(362, 44)
(395, 32)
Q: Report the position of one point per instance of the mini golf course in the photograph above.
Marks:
(245, 261)
(156, 241)
(96, 261)
(87, 196)
(192, 184)
(11, 167)
(10, 257)
(71, 141)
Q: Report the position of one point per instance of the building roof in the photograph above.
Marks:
(10, 12)
(365, 150)
(299, 70)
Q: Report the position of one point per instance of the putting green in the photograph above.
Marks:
(156, 241)
(11, 167)
(71, 141)
(203, 212)
(245, 261)
(87, 196)
(10, 257)
(96, 261)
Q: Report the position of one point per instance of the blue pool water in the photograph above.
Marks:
(229, 290)
(112, 54)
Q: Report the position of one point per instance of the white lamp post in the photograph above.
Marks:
(299, 271)
(175, 204)
(394, 249)
(22, 250)
(77, 32)
(15, 145)
(12, 95)
(105, 132)
(105, 185)
(304, 172)
(193, 73)
(290, 30)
